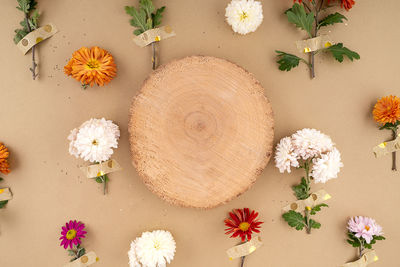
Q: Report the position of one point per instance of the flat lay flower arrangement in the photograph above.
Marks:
(386, 112)
(310, 16)
(94, 141)
(313, 151)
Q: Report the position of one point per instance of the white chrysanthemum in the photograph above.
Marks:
(133, 261)
(285, 156)
(152, 249)
(327, 167)
(309, 143)
(244, 15)
(94, 140)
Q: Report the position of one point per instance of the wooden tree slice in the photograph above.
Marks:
(201, 131)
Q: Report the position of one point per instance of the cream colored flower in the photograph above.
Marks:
(94, 140)
(327, 167)
(244, 15)
(309, 143)
(152, 249)
(285, 156)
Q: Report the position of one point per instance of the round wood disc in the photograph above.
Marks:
(201, 131)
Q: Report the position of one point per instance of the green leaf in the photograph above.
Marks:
(331, 19)
(99, 180)
(353, 240)
(19, 34)
(287, 61)
(71, 252)
(317, 208)
(298, 16)
(300, 190)
(156, 17)
(138, 17)
(32, 5)
(24, 5)
(1, 179)
(294, 219)
(147, 6)
(338, 51)
(368, 246)
(379, 237)
(138, 32)
(3, 203)
(34, 20)
(314, 224)
(81, 252)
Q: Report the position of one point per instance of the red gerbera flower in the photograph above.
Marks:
(242, 223)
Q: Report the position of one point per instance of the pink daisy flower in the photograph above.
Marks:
(364, 227)
(72, 233)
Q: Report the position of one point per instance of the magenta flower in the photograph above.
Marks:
(72, 233)
(364, 227)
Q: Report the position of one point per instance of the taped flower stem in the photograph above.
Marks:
(385, 148)
(314, 44)
(314, 199)
(366, 259)
(245, 249)
(86, 260)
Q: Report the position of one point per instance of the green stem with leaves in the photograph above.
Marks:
(34, 64)
(76, 252)
(153, 59)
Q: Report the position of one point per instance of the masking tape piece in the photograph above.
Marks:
(386, 148)
(5, 194)
(314, 44)
(314, 199)
(244, 249)
(154, 35)
(366, 259)
(36, 36)
(86, 260)
(101, 169)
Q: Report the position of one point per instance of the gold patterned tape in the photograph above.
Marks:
(314, 44)
(386, 148)
(366, 259)
(101, 169)
(5, 194)
(314, 199)
(36, 36)
(86, 260)
(244, 249)
(154, 35)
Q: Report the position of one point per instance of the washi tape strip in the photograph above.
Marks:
(314, 44)
(5, 194)
(244, 249)
(103, 168)
(386, 148)
(314, 199)
(366, 259)
(36, 36)
(86, 260)
(154, 35)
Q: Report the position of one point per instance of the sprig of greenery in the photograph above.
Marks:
(306, 17)
(299, 221)
(301, 190)
(144, 18)
(360, 242)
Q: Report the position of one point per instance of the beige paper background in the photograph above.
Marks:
(49, 188)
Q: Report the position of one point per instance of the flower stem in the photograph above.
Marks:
(104, 179)
(153, 59)
(313, 53)
(242, 262)
(34, 65)
(394, 167)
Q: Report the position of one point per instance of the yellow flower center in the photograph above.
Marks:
(93, 64)
(244, 226)
(157, 245)
(243, 16)
(95, 143)
(71, 234)
(367, 228)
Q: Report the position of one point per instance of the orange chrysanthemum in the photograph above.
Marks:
(387, 110)
(4, 165)
(90, 66)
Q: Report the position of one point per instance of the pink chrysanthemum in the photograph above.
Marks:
(364, 227)
(72, 233)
